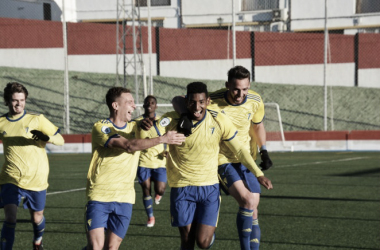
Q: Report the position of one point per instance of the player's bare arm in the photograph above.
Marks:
(132, 145)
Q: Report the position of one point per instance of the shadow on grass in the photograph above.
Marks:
(367, 173)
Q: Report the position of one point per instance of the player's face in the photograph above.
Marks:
(125, 105)
(238, 90)
(150, 105)
(17, 103)
(197, 105)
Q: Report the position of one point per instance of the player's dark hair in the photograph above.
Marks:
(150, 96)
(196, 88)
(238, 72)
(113, 93)
(11, 88)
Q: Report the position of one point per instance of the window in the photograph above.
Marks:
(143, 3)
(367, 6)
(47, 11)
(247, 5)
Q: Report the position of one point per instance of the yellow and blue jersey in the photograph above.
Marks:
(26, 163)
(241, 115)
(153, 157)
(195, 162)
(112, 171)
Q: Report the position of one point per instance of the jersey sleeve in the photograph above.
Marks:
(229, 131)
(47, 127)
(258, 112)
(102, 134)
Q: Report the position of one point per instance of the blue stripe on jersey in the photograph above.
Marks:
(158, 132)
(213, 113)
(58, 131)
(17, 118)
(117, 126)
(254, 97)
(113, 136)
(232, 136)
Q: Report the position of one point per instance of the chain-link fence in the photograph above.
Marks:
(287, 68)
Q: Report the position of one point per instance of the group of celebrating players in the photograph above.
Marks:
(209, 143)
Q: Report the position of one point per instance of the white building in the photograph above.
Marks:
(344, 16)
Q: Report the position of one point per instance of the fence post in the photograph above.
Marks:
(158, 49)
(356, 58)
(252, 56)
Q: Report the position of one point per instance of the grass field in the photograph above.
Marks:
(319, 201)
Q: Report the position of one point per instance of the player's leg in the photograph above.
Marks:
(182, 211)
(232, 179)
(159, 178)
(207, 214)
(117, 225)
(10, 198)
(187, 236)
(96, 217)
(143, 175)
(35, 202)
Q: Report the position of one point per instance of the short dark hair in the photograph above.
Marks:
(238, 72)
(113, 93)
(150, 96)
(196, 88)
(11, 88)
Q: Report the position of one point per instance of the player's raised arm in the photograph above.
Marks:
(245, 157)
(132, 145)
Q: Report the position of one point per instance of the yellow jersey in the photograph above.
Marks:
(112, 172)
(26, 163)
(152, 157)
(242, 115)
(195, 162)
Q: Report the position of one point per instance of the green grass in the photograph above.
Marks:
(319, 201)
(302, 107)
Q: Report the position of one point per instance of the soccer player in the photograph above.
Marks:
(110, 179)
(245, 108)
(26, 168)
(152, 164)
(192, 167)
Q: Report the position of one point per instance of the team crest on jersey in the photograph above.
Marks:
(165, 122)
(26, 129)
(106, 130)
(223, 112)
(4, 133)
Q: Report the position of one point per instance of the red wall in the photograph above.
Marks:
(193, 44)
(326, 135)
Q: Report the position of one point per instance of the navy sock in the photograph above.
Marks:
(148, 204)
(244, 226)
(255, 235)
(8, 235)
(38, 229)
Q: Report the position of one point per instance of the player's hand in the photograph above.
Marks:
(38, 135)
(173, 137)
(146, 124)
(184, 125)
(266, 162)
(265, 182)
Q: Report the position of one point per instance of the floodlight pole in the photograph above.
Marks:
(66, 97)
(233, 35)
(150, 49)
(324, 71)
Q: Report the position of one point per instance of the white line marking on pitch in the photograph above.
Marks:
(67, 191)
(321, 162)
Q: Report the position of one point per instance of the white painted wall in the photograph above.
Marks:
(31, 9)
(369, 78)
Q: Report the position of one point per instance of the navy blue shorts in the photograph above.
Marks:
(157, 174)
(114, 216)
(232, 172)
(192, 203)
(12, 194)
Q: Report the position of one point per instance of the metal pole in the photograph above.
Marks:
(233, 35)
(324, 71)
(150, 48)
(66, 124)
(135, 51)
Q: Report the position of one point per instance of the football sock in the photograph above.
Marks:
(148, 204)
(244, 226)
(38, 229)
(8, 235)
(255, 235)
